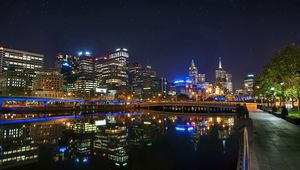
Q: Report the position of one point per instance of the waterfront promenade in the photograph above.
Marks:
(276, 142)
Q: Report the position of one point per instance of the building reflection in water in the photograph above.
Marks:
(111, 141)
(17, 147)
(107, 138)
(199, 126)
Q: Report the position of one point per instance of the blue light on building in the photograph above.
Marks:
(62, 149)
(190, 128)
(219, 98)
(65, 64)
(180, 128)
(178, 81)
(85, 159)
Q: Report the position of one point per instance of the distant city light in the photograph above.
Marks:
(87, 53)
(80, 53)
(182, 81)
(85, 159)
(100, 122)
(118, 49)
(250, 75)
(178, 81)
(65, 64)
(125, 49)
(190, 128)
(180, 128)
(62, 150)
(147, 123)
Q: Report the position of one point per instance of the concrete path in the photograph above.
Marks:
(276, 142)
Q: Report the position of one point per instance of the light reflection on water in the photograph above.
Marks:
(120, 140)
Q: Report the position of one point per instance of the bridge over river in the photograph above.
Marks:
(197, 107)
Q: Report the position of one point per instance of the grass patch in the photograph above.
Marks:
(294, 113)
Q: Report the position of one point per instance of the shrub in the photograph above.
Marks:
(284, 111)
(274, 109)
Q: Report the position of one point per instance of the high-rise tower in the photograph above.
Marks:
(223, 79)
(193, 73)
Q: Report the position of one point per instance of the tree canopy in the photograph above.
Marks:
(281, 75)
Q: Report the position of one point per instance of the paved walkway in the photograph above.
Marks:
(276, 142)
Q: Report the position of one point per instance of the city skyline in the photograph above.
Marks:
(160, 33)
(168, 84)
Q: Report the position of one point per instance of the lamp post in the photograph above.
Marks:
(298, 99)
(273, 95)
(282, 99)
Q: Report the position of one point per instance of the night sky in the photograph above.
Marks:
(165, 34)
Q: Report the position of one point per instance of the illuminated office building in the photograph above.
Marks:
(194, 76)
(48, 84)
(17, 146)
(114, 73)
(223, 79)
(151, 85)
(144, 83)
(248, 85)
(99, 61)
(86, 82)
(13, 83)
(193, 73)
(67, 65)
(86, 66)
(229, 83)
(136, 79)
(85, 88)
(21, 61)
(164, 88)
(120, 55)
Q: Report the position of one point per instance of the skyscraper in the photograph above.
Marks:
(21, 61)
(229, 83)
(67, 65)
(220, 73)
(193, 73)
(223, 79)
(136, 79)
(86, 66)
(120, 55)
(86, 83)
(248, 85)
(13, 83)
(114, 70)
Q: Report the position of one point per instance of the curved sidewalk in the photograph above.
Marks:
(276, 142)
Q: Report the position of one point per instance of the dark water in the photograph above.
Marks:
(134, 141)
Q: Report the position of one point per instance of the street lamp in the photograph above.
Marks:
(273, 95)
(282, 99)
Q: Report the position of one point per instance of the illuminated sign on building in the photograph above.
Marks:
(101, 90)
(100, 122)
